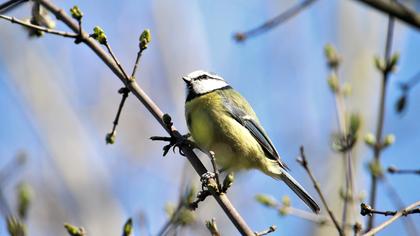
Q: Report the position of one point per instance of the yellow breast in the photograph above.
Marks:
(213, 129)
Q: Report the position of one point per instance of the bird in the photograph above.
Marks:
(221, 120)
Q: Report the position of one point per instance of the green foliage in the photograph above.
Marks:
(110, 138)
(212, 227)
(99, 35)
(332, 56)
(24, 199)
(16, 227)
(74, 230)
(76, 13)
(376, 169)
(145, 39)
(266, 200)
(128, 228)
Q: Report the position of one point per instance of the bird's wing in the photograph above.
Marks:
(241, 115)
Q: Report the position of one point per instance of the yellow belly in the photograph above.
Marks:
(213, 129)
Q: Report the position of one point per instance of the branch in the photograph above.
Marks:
(305, 165)
(267, 231)
(395, 170)
(36, 27)
(283, 17)
(9, 5)
(398, 214)
(397, 10)
(386, 69)
(137, 91)
(368, 210)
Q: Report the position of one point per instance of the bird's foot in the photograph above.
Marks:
(175, 142)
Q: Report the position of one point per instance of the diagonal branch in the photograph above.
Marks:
(270, 24)
(37, 27)
(221, 199)
(397, 10)
(400, 213)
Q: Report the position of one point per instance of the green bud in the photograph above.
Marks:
(380, 64)
(169, 209)
(16, 227)
(24, 199)
(265, 200)
(333, 58)
(184, 217)
(389, 140)
(76, 13)
(333, 83)
(145, 39)
(74, 231)
(99, 35)
(355, 123)
(370, 139)
(110, 138)
(190, 195)
(212, 227)
(286, 201)
(376, 168)
(128, 228)
(283, 211)
(392, 66)
(228, 182)
(346, 89)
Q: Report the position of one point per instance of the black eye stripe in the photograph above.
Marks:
(203, 77)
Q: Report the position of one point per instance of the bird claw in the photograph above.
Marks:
(174, 143)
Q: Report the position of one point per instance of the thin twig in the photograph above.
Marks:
(37, 27)
(305, 165)
(283, 17)
(136, 63)
(267, 231)
(154, 110)
(108, 47)
(394, 170)
(9, 5)
(400, 213)
(397, 10)
(377, 149)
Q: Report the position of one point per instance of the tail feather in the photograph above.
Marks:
(299, 190)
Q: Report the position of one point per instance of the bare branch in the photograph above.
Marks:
(395, 170)
(40, 28)
(283, 17)
(267, 231)
(9, 5)
(398, 214)
(397, 10)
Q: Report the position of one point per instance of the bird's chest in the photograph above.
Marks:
(213, 129)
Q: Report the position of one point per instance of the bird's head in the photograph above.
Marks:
(201, 82)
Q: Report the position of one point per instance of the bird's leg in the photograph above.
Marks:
(175, 142)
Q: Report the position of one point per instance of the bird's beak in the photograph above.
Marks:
(186, 80)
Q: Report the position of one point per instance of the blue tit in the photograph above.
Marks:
(221, 120)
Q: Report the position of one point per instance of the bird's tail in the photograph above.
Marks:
(298, 189)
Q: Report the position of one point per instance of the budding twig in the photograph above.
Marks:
(377, 149)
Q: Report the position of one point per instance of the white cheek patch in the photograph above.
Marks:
(207, 85)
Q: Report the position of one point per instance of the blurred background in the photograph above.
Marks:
(58, 101)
